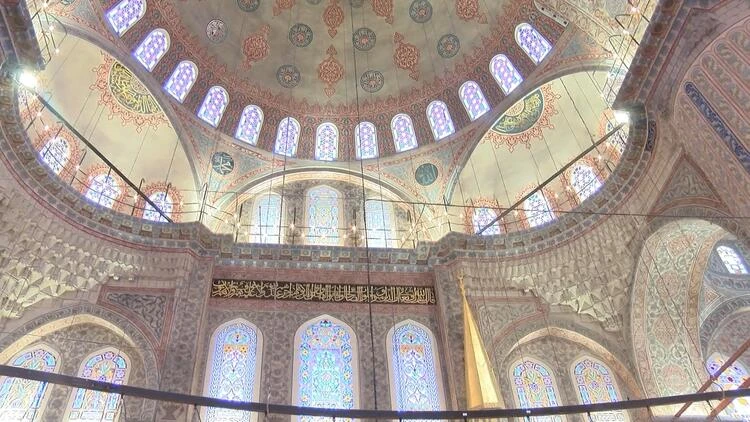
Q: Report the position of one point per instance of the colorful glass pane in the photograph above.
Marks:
(326, 373)
(152, 48)
(379, 217)
(538, 210)
(482, 217)
(163, 202)
(535, 387)
(266, 219)
(366, 140)
(213, 106)
(287, 136)
(55, 154)
(20, 399)
(414, 373)
(326, 142)
(532, 42)
(730, 379)
(182, 79)
(233, 370)
(322, 216)
(585, 182)
(506, 75)
(473, 100)
(250, 123)
(88, 405)
(619, 139)
(732, 260)
(103, 190)
(440, 120)
(404, 136)
(125, 14)
(595, 384)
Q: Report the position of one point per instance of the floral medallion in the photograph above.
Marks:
(420, 11)
(364, 39)
(468, 10)
(248, 5)
(216, 30)
(288, 76)
(255, 47)
(406, 56)
(384, 9)
(282, 5)
(330, 71)
(333, 16)
(372, 81)
(448, 46)
(300, 35)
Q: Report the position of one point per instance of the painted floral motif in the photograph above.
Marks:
(364, 39)
(300, 35)
(372, 81)
(330, 71)
(406, 56)
(384, 9)
(248, 5)
(333, 16)
(420, 11)
(468, 10)
(255, 47)
(281, 5)
(216, 30)
(448, 46)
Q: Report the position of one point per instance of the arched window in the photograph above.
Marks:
(596, 384)
(266, 219)
(163, 201)
(379, 218)
(287, 136)
(482, 217)
(440, 120)
(619, 139)
(182, 79)
(532, 42)
(366, 140)
(732, 260)
(413, 365)
(730, 379)
(250, 123)
(213, 106)
(326, 142)
(22, 400)
(538, 210)
(585, 182)
(506, 75)
(125, 14)
(107, 365)
(535, 386)
(56, 153)
(325, 366)
(473, 100)
(323, 216)
(231, 373)
(103, 190)
(404, 136)
(152, 48)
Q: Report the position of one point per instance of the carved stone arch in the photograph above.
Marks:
(713, 321)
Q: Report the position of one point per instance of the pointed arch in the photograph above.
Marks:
(323, 210)
(379, 218)
(326, 142)
(440, 120)
(248, 130)
(730, 379)
(214, 104)
(107, 365)
(473, 100)
(163, 201)
(414, 368)
(287, 137)
(24, 400)
(103, 189)
(534, 386)
(584, 180)
(596, 383)
(366, 140)
(532, 42)
(404, 137)
(538, 209)
(732, 260)
(505, 73)
(56, 154)
(152, 48)
(483, 216)
(266, 223)
(125, 14)
(181, 80)
(232, 370)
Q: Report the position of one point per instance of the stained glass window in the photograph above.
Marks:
(56, 153)
(234, 360)
(538, 210)
(163, 201)
(326, 142)
(404, 136)
(20, 399)
(322, 216)
(585, 182)
(413, 364)
(287, 136)
(619, 139)
(266, 219)
(379, 218)
(182, 79)
(152, 48)
(506, 75)
(473, 100)
(535, 387)
(732, 260)
(125, 14)
(325, 361)
(213, 106)
(440, 120)
(103, 190)
(482, 217)
(532, 42)
(250, 123)
(87, 405)
(595, 384)
(366, 140)
(730, 379)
